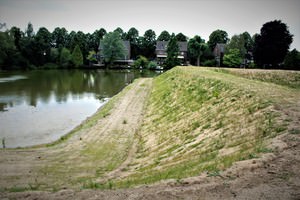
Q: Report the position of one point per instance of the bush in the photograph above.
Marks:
(50, 66)
(209, 63)
(65, 57)
(152, 65)
(141, 62)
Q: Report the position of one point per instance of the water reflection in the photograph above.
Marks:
(41, 85)
(40, 106)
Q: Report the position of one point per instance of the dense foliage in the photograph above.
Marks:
(196, 48)
(272, 44)
(232, 58)
(173, 52)
(292, 60)
(30, 49)
(113, 47)
(77, 57)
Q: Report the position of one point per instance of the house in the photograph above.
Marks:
(219, 53)
(120, 61)
(161, 51)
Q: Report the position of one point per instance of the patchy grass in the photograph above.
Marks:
(281, 77)
(199, 120)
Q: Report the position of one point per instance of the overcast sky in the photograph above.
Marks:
(191, 17)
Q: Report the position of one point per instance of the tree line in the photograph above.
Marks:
(27, 49)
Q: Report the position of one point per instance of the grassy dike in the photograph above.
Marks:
(203, 120)
(185, 122)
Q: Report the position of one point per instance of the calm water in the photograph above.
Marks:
(38, 107)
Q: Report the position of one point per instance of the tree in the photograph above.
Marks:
(248, 41)
(113, 47)
(164, 36)
(17, 34)
(232, 58)
(42, 46)
(141, 62)
(95, 38)
(292, 60)
(121, 33)
(80, 39)
(59, 37)
(148, 44)
(218, 36)
(77, 58)
(29, 30)
(92, 57)
(181, 37)
(54, 55)
(7, 49)
(237, 42)
(196, 48)
(65, 57)
(173, 52)
(133, 36)
(272, 44)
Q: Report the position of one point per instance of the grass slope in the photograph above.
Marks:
(201, 120)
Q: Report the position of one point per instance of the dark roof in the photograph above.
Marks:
(163, 45)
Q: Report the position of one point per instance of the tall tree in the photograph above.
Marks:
(196, 48)
(148, 44)
(81, 39)
(77, 58)
(133, 37)
(181, 37)
(7, 48)
(113, 47)
(42, 46)
(121, 33)
(272, 44)
(237, 42)
(17, 34)
(164, 36)
(59, 37)
(29, 30)
(248, 41)
(173, 52)
(65, 57)
(217, 36)
(95, 38)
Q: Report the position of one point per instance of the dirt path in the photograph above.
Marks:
(275, 176)
(90, 153)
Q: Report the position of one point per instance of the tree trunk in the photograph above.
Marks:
(198, 61)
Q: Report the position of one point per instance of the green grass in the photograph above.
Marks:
(197, 120)
(195, 114)
(281, 77)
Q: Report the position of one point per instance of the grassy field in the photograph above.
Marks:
(183, 123)
(203, 120)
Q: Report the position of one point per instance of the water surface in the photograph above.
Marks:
(39, 107)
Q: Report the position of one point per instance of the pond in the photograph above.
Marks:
(38, 107)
